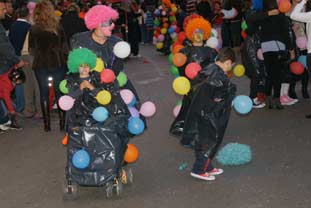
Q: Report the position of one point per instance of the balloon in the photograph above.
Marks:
(133, 111)
(136, 126)
(239, 70)
(174, 70)
(192, 70)
(133, 102)
(147, 109)
(81, 159)
(159, 45)
(122, 79)
(174, 9)
(181, 85)
(301, 42)
(212, 42)
(161, 38)
(243, 34)
(126, 95)
(107, 76)
(214, 33)
(163, 31)
(244, 25)
(179, 59)
(173, 36)
(122, 49)
(242, 104)
(176, 110)
(63, 87)
(170, 58)
(296, 68)
(181, 36)
(284, 6)
(66, 102)
(100, 114)
(172, 19)
(303, 60)
(177, 48)
(131, 153)
(99, 65)
(103, 97)
(257, 5)
(163, 13)
(260, 54)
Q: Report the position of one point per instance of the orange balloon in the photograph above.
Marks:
(165, 25)
(284, 6)
(131, 153)
(177, 48)
(65, 140)
(179, 59)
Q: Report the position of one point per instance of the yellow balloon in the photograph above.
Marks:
(174, 9)
(103, 97)
(58, 13)
(159, 45)
(239, 70)
(100, 66)
(163, 31)
(181, 85)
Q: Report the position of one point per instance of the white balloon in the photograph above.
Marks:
(173, 35)
(212, 42)
(214, 32)
(122, 49)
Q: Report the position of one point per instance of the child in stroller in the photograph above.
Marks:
(97, 135)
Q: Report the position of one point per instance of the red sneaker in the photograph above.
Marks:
(203, 176)
(216, 171)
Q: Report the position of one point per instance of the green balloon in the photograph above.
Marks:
(63, 87)
(172, 19)
(156, 22)
(122, 79)
(170, 58)
(244, 25)
(174, 71)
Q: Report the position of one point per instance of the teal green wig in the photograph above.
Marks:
(80, 56)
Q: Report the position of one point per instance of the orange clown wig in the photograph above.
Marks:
(198, 24)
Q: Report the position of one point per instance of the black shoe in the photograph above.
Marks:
(305, 94)
(15, 126)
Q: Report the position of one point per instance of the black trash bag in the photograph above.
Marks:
(106, 145)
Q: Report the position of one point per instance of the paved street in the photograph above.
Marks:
(32, 161)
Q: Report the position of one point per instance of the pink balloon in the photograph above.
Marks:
(127, 96)
(163, 13)
(176, 110)
(148, 109)
(260, 54)
(66, 102)
(134, 112)
(161, 38)
(301, 42)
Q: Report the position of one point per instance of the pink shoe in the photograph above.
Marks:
(285, 100)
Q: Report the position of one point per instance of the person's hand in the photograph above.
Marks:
(273, 12)
(21, 64)
(292, 54)
(82, 85)
(87, 84)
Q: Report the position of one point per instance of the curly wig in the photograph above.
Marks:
(168, 3)
(201, 24)
(99, 14)
(80, 56)
(186, 20)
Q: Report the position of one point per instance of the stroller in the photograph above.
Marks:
(105, 142)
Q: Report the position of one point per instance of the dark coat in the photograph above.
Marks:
(50, 50)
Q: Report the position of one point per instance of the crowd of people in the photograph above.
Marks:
(37, 37)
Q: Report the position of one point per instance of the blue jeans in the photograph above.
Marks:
(20, 98)
(202, 163)
(3, 113)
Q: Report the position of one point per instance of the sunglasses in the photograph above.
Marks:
(106, 24)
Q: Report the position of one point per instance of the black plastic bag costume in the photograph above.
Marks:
(209, 111)
(105, 142)
(203, 56)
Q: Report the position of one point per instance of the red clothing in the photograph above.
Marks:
(218, 18)
(5, 90)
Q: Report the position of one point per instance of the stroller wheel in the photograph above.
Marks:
(109, 189)
(70, 190)
(118, 187)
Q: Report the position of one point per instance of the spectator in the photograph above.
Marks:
(8, 19)
(204, 9)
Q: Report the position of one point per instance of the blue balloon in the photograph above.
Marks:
(257, 5)
(171, 30)
(100, 114)
(136, 125)
(242, 104)
(303, 60)
(133, 102)
(81, 159)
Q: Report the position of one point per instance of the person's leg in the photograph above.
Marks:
(268, 84)
(19, 99)
(42, 79)
(235, 29)
(225, 34)
(304, 84)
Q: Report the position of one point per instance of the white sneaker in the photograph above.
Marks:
(216, 171)
(5, 126)
(204, 176)
(258, 104)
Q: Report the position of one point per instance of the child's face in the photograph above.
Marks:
(84, 70)
(198, 36)
(227, 66)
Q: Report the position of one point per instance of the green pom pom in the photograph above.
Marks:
(244, 25)
(122, 79)
(174, 71)
(80, 56)
(63, 87)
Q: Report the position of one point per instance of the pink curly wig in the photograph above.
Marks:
(99, 14)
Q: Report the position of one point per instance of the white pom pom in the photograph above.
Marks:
(212, 42)
(122, 49)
